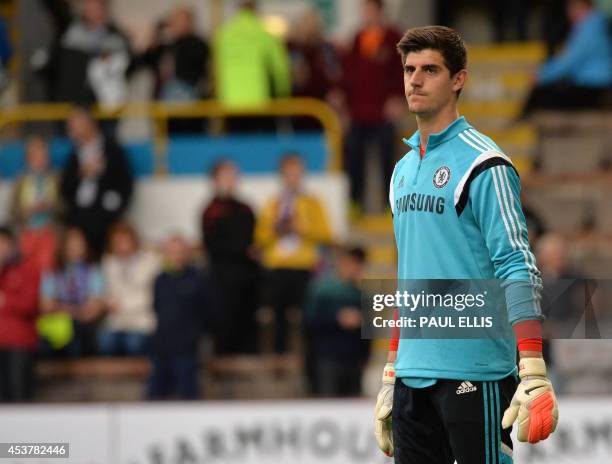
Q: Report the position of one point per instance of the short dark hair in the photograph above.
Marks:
(7, 232)
(61, 249)
(440, 38)
(218, 165)
(36, 137)
(380, 4)
(84, 111)
(355, 252)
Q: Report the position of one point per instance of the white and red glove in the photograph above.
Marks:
(534, 404)
(382, 412)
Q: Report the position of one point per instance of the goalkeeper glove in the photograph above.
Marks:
(382, 414)
(534, 403)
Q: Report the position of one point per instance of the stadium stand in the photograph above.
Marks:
(563, 160)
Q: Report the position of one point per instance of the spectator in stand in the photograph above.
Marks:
(315, 65)
(563, 297)
(333, 322)
(251, 66)
(581, 75)
(96, 184)
(183, 304)
(72, 299)
(19, 281)
(551, 253)
(89, 56)
(179, 60)
(228, 232)
(35, 205)
(374, 109)
(291, 227)
(129, 272)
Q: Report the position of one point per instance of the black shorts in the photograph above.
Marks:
(452, 420)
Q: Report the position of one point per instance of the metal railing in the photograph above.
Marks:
(160, 113)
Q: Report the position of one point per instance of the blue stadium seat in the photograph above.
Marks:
(254, 154)
(193, 155)
(140, 156)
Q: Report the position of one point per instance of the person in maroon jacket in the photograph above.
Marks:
(315, 64)
(374, 95)
(227, 230)
(19, 282)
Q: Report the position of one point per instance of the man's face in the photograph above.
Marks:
(182, 23)
(371, 13)
(95, 12)
(79, 127)
(551, 255)
(226, 179)
(428, 85)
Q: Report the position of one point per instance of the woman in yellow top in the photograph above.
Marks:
(290, 229)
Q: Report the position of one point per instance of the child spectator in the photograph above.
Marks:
(74, 290)
(333, 321)
(35, 204)
(182, 300)
(129, 273)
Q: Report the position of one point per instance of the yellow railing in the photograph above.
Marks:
(160, 113)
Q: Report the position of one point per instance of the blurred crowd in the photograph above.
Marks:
(91, 60)
(77, 281)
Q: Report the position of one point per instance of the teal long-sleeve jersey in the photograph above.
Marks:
(457, 215)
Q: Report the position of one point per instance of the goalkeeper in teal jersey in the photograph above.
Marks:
(455, 199)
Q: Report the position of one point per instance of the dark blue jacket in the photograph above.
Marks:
(184, 305)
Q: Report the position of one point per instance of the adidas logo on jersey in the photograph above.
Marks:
(466, 387)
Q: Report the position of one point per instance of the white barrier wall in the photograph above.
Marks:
(166, 205)
(303, 432)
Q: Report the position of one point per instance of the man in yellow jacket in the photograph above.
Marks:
(290, 229)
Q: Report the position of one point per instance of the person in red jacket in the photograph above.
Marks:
(374, 95)
(19, 282)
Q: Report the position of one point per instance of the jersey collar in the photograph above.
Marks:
(458, 125)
